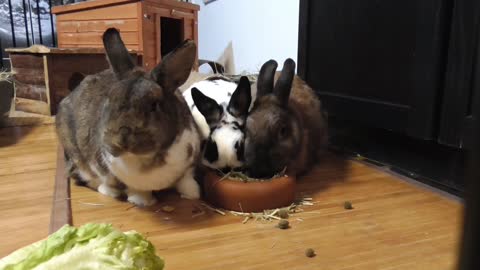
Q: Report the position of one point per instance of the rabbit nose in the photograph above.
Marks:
(124, 135)
(226, 169)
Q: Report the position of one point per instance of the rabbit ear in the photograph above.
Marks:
(241, 99)
(176, 66)
(265, 78)
(207, 106)
(118, 56)
(283, 86)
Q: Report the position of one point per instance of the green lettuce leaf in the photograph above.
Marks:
(92, 246)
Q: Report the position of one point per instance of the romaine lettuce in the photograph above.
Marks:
(92, 246)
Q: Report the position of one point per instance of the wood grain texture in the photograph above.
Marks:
(150, 38)
(394, 225)
(31, 91)
(188, 29)
(64, 71)
(87, 5)
(29, 75)
(102, 3)
(187, 7)
(82, 24)
(158, 37)
(140, 12)
(90, 46)
(126, 11)
(32, 106)
(28, 61)
(94, 38)
(171, 12)
(61, 208)
(47, 73)
(195, 37)
(27, 171)
(40, 50)
(124, 25)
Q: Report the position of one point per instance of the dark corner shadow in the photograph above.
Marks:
(174, 210)
(185, 212)
(10, 135)
(331, 168)
(170, 208)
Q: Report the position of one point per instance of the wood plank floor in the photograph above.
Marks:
(395, 225)
(27, 172)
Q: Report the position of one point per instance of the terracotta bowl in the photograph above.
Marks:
(248, 196)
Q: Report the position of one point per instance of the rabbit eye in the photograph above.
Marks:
(155, 107)
(283, 132)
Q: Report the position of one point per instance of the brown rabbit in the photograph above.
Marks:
(286, 126)
(128, 131)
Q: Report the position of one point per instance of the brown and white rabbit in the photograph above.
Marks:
(129, 132)
(286, 126)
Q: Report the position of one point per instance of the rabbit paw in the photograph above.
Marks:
(141, 198)
(108, 190)
(188, 187)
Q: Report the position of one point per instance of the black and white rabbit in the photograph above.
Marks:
(128, 131)
(220, 107)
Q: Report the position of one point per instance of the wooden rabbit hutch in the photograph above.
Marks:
(44, 76)
(150, 27)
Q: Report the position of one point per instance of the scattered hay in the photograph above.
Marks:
(236, 78)
(266, 215)
(214, 209)
(6, 76)
(198, 214)
(168, 209)
(91, 204)
(130, 207)
(197, 211)
(80, 202)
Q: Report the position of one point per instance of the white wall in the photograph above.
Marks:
(258, 29)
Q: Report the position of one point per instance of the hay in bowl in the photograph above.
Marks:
(240, 176)
(237, 192)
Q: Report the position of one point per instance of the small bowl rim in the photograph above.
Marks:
(225, 193)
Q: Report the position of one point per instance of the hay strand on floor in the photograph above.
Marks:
(266, 215)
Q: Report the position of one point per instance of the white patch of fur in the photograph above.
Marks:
(107, 190)
(92, 180)
(86, 175)
(227, 117)
(218, 90)
(141, 198)
(225, 138)
(128, 167)
(188, 187)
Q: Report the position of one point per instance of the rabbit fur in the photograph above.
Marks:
(219, 107)
(286, 127)
(129, 132)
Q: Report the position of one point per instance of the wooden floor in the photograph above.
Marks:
(27, 172)
(395, 225)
